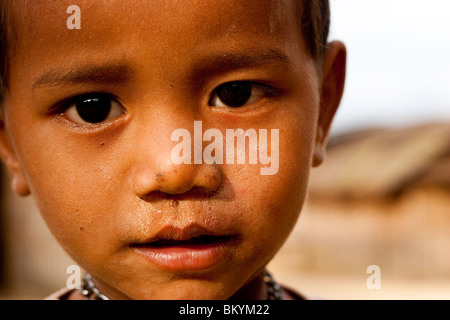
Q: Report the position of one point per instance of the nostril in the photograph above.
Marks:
(173, 200)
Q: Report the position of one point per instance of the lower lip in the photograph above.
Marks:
(186, 257)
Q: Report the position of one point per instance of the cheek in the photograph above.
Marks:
(270, 204)
(73, 188)
(70, 199)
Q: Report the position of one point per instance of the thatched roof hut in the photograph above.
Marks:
(384, 163)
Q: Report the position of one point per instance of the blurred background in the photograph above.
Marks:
(382, 196)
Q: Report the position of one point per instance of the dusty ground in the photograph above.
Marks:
(345, 287)
(330, 249)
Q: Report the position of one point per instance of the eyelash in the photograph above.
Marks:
(266, 91)
(61, 106)
(64, 108)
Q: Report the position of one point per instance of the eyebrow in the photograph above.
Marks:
(234, 60)
(118, 73)
(107, 73)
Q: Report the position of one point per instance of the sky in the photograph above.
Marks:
(398, 67)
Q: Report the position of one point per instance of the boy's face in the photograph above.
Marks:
(89, 118)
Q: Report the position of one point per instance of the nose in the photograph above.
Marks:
(177, 179)
(154, 172)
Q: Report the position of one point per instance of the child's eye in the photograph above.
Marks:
(239, 94)
(93, 109)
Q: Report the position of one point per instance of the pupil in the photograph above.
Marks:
(94, 110)
(235, 94)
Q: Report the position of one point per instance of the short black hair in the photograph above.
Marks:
(315, 25)
(4, 40)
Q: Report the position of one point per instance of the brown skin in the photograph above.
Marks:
(102, 187)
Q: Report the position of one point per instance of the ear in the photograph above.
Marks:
(7, 154)
(333, 79)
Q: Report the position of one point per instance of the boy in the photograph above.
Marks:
(96, 122)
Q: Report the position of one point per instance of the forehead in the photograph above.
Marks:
(175, 30)
(155, 12)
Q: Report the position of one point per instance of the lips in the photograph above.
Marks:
(192, 248)
(193, 242)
